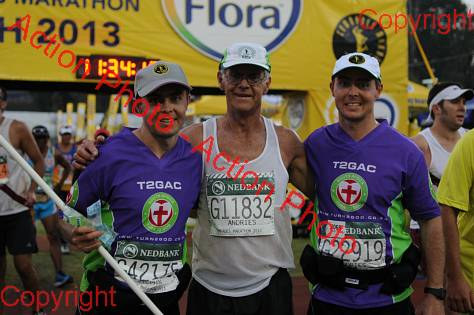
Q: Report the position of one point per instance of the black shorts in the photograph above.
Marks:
(404, 307)
(125, 301)
(18, 233)
(275, 299)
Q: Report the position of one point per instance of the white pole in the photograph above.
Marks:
(50, 192)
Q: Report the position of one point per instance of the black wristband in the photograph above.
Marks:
(439, 293)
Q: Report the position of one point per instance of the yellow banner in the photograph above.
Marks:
(79, 40)
(303, 37)
(342, 28)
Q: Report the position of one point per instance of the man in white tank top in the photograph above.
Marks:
(242, 242)
(447, 106)
(17, 232)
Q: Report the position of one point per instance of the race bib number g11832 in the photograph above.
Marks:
(152, 266)
(238, 207)
(367, 249)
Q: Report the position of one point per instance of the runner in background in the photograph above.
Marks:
(456, 196)
(447, 107)
(366, 173)
(45, 209)
(143, 186)
(67, 148)
(17, 195)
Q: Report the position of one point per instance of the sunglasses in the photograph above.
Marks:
(254, 78)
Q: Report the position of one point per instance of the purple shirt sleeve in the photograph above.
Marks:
(88, 187)
(418, 194)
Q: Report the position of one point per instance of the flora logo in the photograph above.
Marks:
(212, 25)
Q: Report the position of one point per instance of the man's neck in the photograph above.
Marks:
(441, 131)
(242, 124)
(159, 146)
(358, 129)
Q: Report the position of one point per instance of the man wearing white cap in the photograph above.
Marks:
(240, 261)
(447, 107)
(240, 258)
(143, 186)
(366, 174)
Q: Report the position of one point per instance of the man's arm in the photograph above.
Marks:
(454, 195)
(193, 134)
(87, 150)
(86, 153)
(85, 238)
(293, 149)
(460, 297)
(421, 143)
(420, 200)
(433, 248)
(28, 145)
(61, 160)
(88, 189)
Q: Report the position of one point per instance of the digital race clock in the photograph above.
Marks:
(96, 66)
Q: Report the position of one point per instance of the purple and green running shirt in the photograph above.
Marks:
(364, 186)
(146, 200)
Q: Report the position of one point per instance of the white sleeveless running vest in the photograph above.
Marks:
(439, 159)
(439, 156)
(240, 239)
(18, 179)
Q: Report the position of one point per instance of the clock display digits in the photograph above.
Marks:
(123, 67)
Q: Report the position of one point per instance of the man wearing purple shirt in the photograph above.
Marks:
(142, 186)
(366, 174)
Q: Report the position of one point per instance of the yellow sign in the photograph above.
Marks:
(62, 41)
(341, 29)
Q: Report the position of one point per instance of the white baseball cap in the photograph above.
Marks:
(246, 54)
(358, 60)
(158, 74)
(67, 129)
(449, 93)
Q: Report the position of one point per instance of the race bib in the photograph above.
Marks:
(238, 207)
(363, 243)
(152, 266)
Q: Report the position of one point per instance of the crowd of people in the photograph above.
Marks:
(244, 270)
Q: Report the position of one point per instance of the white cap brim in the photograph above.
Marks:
(358, 67)
(229, 64)
(450, 93)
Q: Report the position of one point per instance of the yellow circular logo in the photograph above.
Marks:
(161, 68)
(359, 33)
